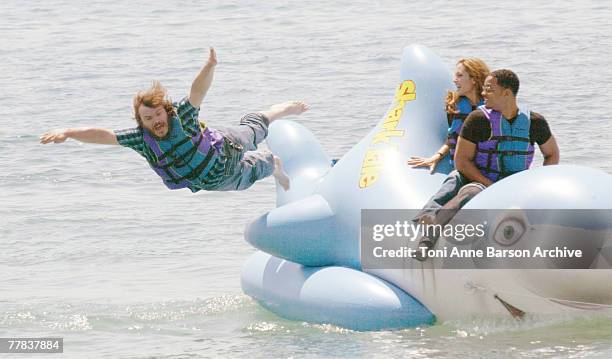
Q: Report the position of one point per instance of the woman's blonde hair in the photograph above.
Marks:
(153, 97)
(478, 71)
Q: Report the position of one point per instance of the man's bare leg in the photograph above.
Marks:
(285, 109)
(279, 174)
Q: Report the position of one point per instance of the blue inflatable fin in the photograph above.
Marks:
(334, 295)
(300, 230)
(303, 159)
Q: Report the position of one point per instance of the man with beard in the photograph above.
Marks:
(186, 153)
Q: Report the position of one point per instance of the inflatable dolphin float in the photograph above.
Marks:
(309, 266)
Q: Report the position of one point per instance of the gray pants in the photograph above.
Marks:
(245, 165)
(455, 192)
(444, 205)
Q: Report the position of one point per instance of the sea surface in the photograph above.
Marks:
(94, 249)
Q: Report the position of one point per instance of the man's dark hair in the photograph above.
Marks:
(507, 79)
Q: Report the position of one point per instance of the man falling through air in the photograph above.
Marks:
(182, 150)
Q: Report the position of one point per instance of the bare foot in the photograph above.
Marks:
(280, 175)
(285, 109)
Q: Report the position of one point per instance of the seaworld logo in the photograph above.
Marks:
(372, 162)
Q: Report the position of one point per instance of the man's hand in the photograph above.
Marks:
(203, 80)
(55, 136)
(212, 58)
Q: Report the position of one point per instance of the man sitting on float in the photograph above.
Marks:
(496, 141)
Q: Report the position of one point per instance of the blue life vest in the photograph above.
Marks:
(455, 123)
(509, 149)
(185, 158)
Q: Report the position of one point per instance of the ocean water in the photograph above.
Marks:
(94, 249)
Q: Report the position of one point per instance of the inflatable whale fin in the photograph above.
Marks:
(299, 231)
(334, 295)
(303, 157)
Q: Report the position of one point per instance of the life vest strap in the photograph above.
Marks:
(173, 148)
(196, 171)
(184, 158)
(505, 152)
(509, 138)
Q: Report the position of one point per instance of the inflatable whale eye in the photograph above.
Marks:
(509, 231)
(309, 264)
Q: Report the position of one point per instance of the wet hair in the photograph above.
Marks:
(478, 71)
(507, 79)
(153, 97)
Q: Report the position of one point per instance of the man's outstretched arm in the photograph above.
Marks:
(203, 80)
(100, 136)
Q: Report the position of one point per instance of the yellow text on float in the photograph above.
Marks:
(381, 142)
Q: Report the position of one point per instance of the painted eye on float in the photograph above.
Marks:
(509, 231)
